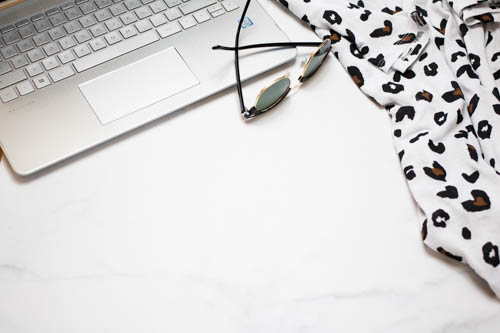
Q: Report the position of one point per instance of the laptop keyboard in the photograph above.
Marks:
(49, 47)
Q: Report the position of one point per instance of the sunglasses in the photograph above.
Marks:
(274, 93)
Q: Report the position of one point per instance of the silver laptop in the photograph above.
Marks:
(74, 74)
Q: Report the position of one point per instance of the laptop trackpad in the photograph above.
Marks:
(138, 85)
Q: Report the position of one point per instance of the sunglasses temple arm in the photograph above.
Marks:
(252, 46)
(237, 61)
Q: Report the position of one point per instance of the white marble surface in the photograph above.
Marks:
(298, 222)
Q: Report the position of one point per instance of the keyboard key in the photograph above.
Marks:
(5, 67)
(169, 29)
(143, 25)
(97, 44)
(27, 31)
(19, 61)
(35, 55)
(202, 16)
(72, 27)
(103, 3)
(6, 29)
(7, 95)
(25, 88)
(50, 63)
(87, 21)
(73, 13)
(113, 24)
(218, 12)
(57, 33)
(214, 7)
(11, 37)
(34, 69)
(187, 22)
(25, 45)
(61, 73)
(173, 14)
(22, 23)
(41, 39)
(82, 36)
(37, 17)
(66, 5)
(12, 78)
(113, 38)
(42, 25)
(145, 2)
(158, 19)
(173, 3)
(66, 57)
(52, 11)
(195, 5)
(98, 30)
(128, 32)
(67, 42)
(128, 18)
(57, 19)
(88, 7)
(9, 51)
(117, 9)
(81, 50)
(229, 5)
(102, 15)
(115, 51)
(41, 81)
(132, 4)
(143, 12)
(158, 6)
(51, 49)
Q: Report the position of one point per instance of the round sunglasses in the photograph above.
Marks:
(274, 93)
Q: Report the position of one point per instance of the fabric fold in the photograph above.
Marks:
(387, 36)
(477, 11)
(444, 104)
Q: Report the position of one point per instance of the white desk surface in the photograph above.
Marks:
(300, 221)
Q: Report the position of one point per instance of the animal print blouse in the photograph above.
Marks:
(435, 66)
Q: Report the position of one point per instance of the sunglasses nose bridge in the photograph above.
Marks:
(295, 86)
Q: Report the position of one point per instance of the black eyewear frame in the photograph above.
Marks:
(322, 47)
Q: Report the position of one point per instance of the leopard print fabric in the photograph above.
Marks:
(435, 66)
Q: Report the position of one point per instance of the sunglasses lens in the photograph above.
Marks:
(316, 60)
(273, 94)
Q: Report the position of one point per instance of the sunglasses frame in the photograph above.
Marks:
(277, 101)
(246, 113)
(301, 79)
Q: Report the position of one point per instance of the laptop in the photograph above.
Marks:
(74, 74)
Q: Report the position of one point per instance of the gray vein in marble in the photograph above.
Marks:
(387, 292)
(473, 324)
(396, 325)
(15, 271)
(96, 276)
(342, 295)
(75, 202)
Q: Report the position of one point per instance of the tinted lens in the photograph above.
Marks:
(316, 60)
(273, 94)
